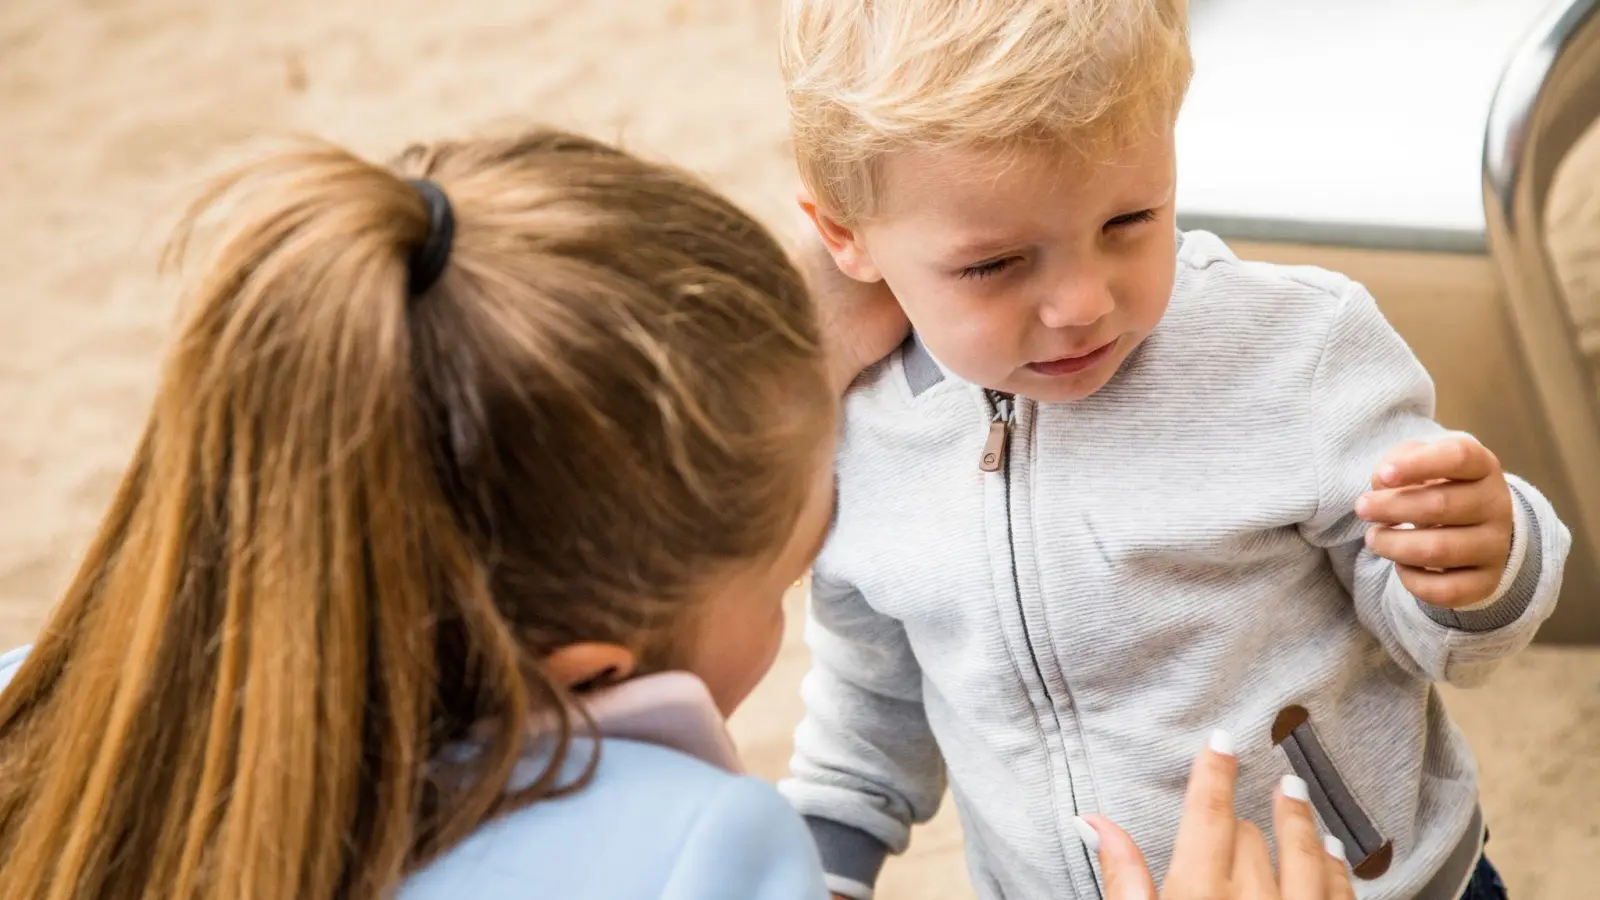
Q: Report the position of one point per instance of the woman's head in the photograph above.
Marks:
(361, 524)
(625, 367)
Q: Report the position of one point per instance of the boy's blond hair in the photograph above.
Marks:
(867, 77)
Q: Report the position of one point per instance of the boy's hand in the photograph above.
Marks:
(861, 323)
(1442, 512)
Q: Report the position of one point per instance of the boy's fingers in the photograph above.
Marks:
(1396, 454)
(1448, 547)
(1302, 857)
(1446, 503)
(1204, 851)
(1253, 878)
(1453, 589)
(1453, 458)
(1126, 874)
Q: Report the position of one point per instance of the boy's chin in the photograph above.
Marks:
(1042, 388)
(1076, 386)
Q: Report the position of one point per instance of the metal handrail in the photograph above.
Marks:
(1548, 97)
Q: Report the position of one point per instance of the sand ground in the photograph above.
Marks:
(111, 109)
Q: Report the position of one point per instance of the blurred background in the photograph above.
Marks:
(112, 111)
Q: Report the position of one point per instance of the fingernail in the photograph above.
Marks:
(1294, 787)
(1221, 742)
(1388, 474)
(1087, 834)
(1335, 848)
(1363, 506)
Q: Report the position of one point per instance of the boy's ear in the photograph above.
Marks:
(842, 243)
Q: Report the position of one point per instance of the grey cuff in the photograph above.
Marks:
(850, 856)
(1518, 597)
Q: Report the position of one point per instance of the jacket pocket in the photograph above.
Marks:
(1369, 851)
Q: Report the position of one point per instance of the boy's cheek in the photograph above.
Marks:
(974, 350)
(975, 330)
(931, 312)
(1144, 296)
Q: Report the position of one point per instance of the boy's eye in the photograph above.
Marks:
(988, 269)
(1124, 221)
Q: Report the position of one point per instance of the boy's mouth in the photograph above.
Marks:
(1068, 365)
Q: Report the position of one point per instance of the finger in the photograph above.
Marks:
(1452, 547)
(1337, 870)
(1126, 874)
(1453, 589)
(1252, 865)
(1398, 452)
(1301, 855)
(1203, 854)
(1445, 503)
(1455, 458)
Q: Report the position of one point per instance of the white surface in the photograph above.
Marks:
(1358, 113)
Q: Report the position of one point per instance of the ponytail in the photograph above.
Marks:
(246, 656)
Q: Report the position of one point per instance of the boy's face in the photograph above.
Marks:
(1024, 273)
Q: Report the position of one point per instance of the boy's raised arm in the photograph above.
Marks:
(1486, 552)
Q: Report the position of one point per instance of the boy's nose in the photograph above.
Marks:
(1077, 304)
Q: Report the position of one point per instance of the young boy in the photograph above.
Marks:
(1120, 484)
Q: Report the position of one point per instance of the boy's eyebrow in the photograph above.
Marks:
(977, 246)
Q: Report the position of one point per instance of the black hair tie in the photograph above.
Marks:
(427, 262)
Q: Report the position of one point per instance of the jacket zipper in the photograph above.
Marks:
(997, 458)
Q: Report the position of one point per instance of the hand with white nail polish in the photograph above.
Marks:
(1218, 856)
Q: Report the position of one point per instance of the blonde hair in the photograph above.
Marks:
(869, 77)
(356, 520)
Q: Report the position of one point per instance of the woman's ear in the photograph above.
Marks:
(590, 665)
(842, 243)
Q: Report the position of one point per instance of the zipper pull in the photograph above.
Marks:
(994, 448)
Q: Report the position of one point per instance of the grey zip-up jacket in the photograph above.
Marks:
(1054, 629)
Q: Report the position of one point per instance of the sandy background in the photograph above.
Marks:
(110, 110)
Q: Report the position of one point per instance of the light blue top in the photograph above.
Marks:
(654, 823)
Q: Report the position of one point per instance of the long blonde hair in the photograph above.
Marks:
(357, 520)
